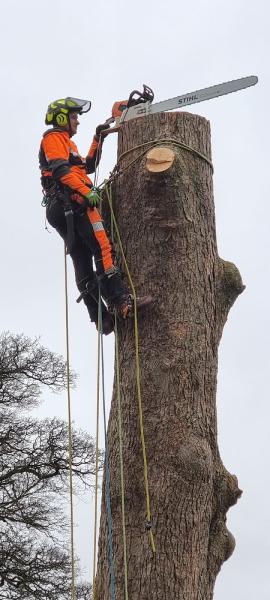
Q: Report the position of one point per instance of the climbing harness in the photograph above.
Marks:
(69, 220)
(53, 193)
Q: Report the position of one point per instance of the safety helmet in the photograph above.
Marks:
(58, 111)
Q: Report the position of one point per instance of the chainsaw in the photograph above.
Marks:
(136, 98)
(139, 104)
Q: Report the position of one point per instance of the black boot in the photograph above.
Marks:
(107, 325)
(125, 308)
(90, 295)
(118, 297)
(113, 289)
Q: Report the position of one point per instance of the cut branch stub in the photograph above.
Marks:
(159, 159)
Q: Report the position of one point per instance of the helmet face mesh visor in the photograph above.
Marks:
(73, 104)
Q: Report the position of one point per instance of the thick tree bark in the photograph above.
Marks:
(167, 226)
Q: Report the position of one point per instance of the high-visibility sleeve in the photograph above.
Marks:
(57, 154)
(75, 183)
(94, 155)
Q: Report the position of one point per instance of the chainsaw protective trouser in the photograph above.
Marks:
(90, 241)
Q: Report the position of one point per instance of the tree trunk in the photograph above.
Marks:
(167, 226)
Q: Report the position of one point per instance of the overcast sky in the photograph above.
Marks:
(102, 51)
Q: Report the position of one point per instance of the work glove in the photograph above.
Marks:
(93, 197)
(101, 128)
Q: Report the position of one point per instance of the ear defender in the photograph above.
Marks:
(61, 119)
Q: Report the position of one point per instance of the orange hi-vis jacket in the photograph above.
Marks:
(59, 158)
(60, 162)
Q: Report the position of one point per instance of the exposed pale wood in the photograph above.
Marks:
(159, 159)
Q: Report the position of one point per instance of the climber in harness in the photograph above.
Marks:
(72, 209)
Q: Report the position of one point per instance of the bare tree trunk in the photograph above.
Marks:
(167, 226)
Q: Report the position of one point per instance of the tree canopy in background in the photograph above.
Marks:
(35, 559)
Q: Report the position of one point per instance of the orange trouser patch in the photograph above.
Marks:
(101, 237)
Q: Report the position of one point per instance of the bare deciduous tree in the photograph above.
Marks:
(34, 476)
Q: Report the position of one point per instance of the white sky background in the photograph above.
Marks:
(102, 51)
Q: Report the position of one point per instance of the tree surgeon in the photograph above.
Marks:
(72, 209)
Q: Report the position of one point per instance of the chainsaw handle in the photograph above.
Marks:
(147, 95)
(135, 97)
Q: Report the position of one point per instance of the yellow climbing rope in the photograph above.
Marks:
(120, 437)
(97, 452)
(138, 373)
(73, 583)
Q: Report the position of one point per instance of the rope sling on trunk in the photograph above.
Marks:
(117, 171)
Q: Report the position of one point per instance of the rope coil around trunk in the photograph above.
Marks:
(116, 172)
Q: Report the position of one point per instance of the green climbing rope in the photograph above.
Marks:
(120, 436)
(138, 373)
(73, 583)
